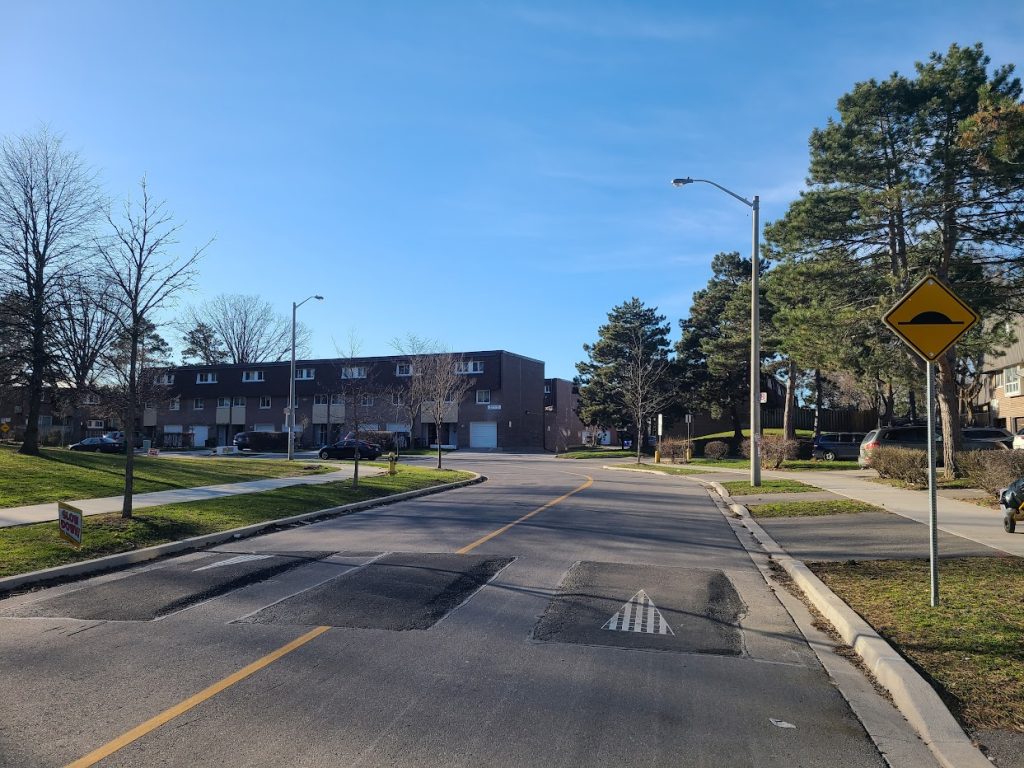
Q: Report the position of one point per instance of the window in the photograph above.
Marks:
(353, 372)
(397, 399)
(264, 402)
(249, 376)
(147, 406)
(1011, 381)
(469, 366)
(305, 374)
(403, 369)
(174, 404)
(198, 404)
(997, 380)
(448, 398)
(337, 400)
(319, 399)
(483, 396)
(223, 402)
(90, 398)
(238, 400)
(366, 400)
(94, 424)
(206, 378)
(547, 389)
(165, 378)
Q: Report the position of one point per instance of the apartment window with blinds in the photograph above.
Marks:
(1011, 381)
(250, 376)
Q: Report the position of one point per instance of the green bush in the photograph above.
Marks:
(990, 470)
(906, 464)
(716, 450)
(775, 449)
(675, 448)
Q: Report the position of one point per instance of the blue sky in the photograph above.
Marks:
(488, 174)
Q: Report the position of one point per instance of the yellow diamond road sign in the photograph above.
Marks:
(930, 318)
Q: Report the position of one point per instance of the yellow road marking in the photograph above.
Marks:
(192, 701)
(527, 516)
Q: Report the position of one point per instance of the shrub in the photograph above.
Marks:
(716, 450)
(675, 448)
(775, 449)
(906, 464)
(990, 470)
(52, 438)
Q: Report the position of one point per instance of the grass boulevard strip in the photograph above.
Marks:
(209, 692)
(33, 547)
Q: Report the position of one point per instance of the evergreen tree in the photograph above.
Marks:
(625, 375)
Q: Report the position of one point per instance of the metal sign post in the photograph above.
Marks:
(929, 319)
(933, 517)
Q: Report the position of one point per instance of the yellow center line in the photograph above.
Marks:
(527, 516)
(192, 701)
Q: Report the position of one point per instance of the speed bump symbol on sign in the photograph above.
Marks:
(930, 318)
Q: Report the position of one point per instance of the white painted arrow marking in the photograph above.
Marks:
(233, 561)
(640, 614)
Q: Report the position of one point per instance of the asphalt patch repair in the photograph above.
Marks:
(156, 592)
(397, 592)
(700, 607)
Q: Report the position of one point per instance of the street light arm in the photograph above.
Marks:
(318, 297)
(681, 182)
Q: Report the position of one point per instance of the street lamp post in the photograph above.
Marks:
(755, 329)
(291, 384)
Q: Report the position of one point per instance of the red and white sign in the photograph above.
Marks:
(70, 521)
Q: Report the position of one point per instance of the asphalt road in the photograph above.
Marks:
(620, 623)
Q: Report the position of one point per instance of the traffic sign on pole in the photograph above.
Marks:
(930, 318)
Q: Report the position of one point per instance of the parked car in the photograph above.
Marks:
(98, 445)
(974, 439)
(261, 441)
(346, 449)
(1018, 440)
(831, 446)
(988, 434)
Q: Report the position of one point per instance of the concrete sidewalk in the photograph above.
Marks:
(960, 518)
(39, 513)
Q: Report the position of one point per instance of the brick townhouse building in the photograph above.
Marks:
(206, 405)
(1000, 402)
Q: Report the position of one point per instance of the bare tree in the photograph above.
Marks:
(643, 382)
(444, 383)
(145, 279)
(85, 328)
(248, 328)
(49, 203)
(359, 395)
(413, 394)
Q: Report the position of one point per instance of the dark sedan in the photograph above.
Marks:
(346, 449)
(98, 445)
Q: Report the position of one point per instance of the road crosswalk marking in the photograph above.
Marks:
(233, 561)
(640, 614)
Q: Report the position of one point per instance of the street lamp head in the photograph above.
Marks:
(681, 182)
(318, 297)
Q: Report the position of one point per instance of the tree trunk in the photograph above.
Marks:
(789, 412)
(129, 426)
(817, 403)
(355, 464)
(949, 412)
(437, 426)
(913, 405)
(30, 443)
(737, 425)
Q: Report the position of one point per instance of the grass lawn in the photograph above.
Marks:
(58, 474)
(794, 464)
(598, 453)
(812, 508)
(668, 469)
(971, 646)
(744, 488)
(26, 548)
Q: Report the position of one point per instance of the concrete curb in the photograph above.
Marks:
(111, 562)
(913, 696)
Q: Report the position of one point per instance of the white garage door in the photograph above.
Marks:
(483, 434)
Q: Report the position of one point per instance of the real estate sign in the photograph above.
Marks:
(70, 521)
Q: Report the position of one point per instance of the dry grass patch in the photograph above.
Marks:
(971, 646)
